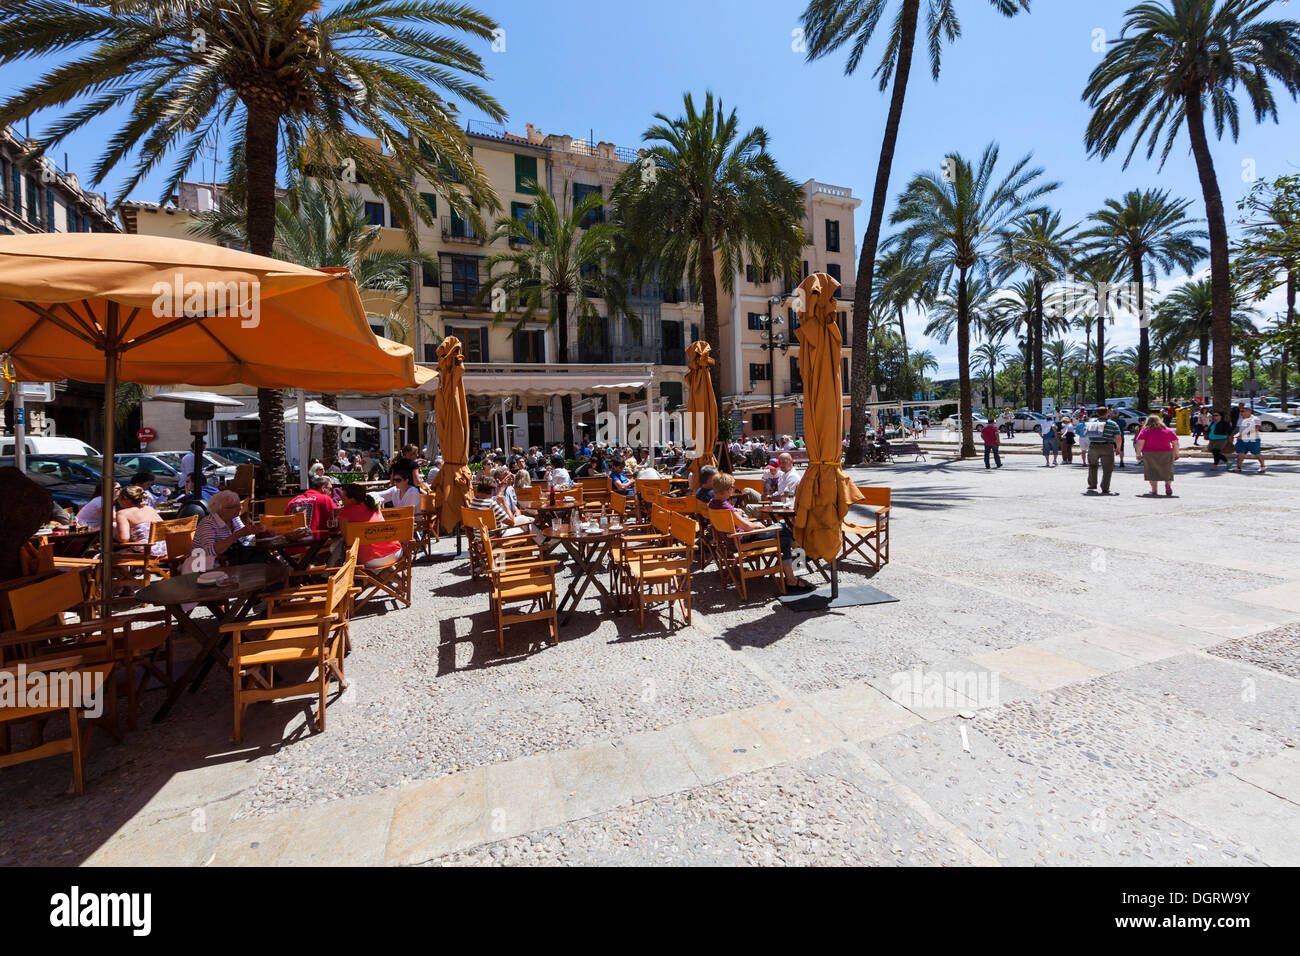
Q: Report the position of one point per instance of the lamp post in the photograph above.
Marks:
(771, 342)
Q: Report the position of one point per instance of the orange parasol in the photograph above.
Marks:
(452, 417)
(825, 492)
(702, 407)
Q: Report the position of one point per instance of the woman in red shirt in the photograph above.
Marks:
(360, 506)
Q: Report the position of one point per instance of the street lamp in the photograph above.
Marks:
(772, 341)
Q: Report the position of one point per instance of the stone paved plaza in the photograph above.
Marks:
(1065, 679)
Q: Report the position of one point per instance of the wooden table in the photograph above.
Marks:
(543, 510)
(309, 547)
(588, 552)
(69, 544)
(228, 603)
(779, 511)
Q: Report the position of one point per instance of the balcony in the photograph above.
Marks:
(672, 357)
(460, 230)
(459, 293)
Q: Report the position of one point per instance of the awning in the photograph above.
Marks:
(502, 384)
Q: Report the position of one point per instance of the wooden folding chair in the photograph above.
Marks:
(480, 525)
(273, 504)
(518, 578)
(662, 573)
(596, 489)
(654, 534)
(743, 555)
(530, 496)
(84, 669)
(397, 514)
(391, 579)
(243, 482)
(707, 542)
(283, 524)
(426, 523)
(858, 537)
(750, 484)
(316, 638)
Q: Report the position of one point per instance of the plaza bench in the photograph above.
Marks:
(905, 448)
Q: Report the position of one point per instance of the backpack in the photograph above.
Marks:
(1095, 429)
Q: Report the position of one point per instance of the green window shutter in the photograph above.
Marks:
(431, 201)
(525, 168)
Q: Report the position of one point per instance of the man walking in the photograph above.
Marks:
(1104, 437)
(1113, 415)
(1248, 440)
(989, 433)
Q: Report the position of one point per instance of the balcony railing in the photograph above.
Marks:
(460, 230)
(459, 293)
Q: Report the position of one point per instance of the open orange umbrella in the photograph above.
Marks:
(101, 307)
(702, 407)
(825, 492)
(451, 416)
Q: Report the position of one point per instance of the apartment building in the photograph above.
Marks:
(41, 197)
(752, 376)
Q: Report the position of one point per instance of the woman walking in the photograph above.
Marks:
(1051, 445)
(1157, 450)
(1066, 428)
(1217, 439)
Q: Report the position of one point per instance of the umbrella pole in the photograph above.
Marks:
(106, 521)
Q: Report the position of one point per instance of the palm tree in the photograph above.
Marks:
(1146, 229)
(1015, 310)
(286, 78)
(555, 257)
(1172, 57)
(1041, 246)
(1168, 353)
(316, 227)
(717, 202)
(1095, 297)
(1185, 317)
(1059, 353)
(828, 25)
(990, 353)
(955, 220)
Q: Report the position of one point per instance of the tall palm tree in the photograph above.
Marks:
(1146, 229)
(1168, 353)
(829, 25)
(1185, 317)
(316, 227)
(990, 353)
(717, 202)
(955, 221)
(1059, 353)
(286, 78)
(1015, 312)
(1172, 56)
(1041, 246)
(556, 257)
(1095, 296)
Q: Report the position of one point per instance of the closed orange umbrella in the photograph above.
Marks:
(825, 492)
(451, 415)
(702, 407)
(102, 307)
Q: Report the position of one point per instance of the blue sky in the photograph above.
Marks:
(574, 66)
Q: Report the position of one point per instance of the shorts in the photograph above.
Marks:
(1248, 447)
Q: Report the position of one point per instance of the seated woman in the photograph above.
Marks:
(222, 528)
(723, 484)
(360, 506)
(620, 481)
(403, 493)
(134, 516)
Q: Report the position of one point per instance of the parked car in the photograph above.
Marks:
(74, 468)
(951, 424)
(71, 495)
(1131, 420)
(214, 466)
(47, 445)
(165, 472)
(240, 456)
(1275, 421)
(1027, 421)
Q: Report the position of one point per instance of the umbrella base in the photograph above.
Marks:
(821, 600)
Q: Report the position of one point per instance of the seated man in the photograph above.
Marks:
(316, 502)
(620, 481)
(786, 480)
(722, 485)
(152, 495)
(705, 491)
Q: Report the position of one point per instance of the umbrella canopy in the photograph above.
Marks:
(101, 307)
(825, 492)
(702, 407)
(317, 414)
(451, 414)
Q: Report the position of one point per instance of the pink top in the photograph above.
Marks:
(1158, 439)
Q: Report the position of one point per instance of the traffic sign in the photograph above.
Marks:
(146, 435)
(1203, 379)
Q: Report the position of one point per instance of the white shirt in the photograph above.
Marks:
(786, 482)
(92, 512)
(399, 499)
(1247, 429)
(559, 478)
(187, 468)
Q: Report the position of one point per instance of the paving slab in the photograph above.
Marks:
(1264, 824)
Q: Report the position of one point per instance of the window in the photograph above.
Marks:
(796, 380)
(844, 375)
(430, 203)
(843, 319)
(33, 202)
(756, 321)
(673, 392)
(473, 340)
(16, 192)
(530, 346)
(375, 213)
(49, 210)
(525, 168)
(758, 371)
(833, 270)
(459, 279)
(832, 235)
(519, 211)
(430, 354)
(428, 277)
(751, 274)
(761, 422)
(695, 333)
(580, 192)
(805, 268)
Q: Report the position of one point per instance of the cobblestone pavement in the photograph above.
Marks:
(1064, 679)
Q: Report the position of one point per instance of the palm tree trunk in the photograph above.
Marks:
(709, 300)
(1290, 330)
(261, 134)
(859, 386)
(566, 400)
(329, 436)
(1144, 340)
(1101, 365)
(1034, 397)
(1220, 290)
(964, 404)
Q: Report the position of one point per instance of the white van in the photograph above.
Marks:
(43, 445)
(1130, 402)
